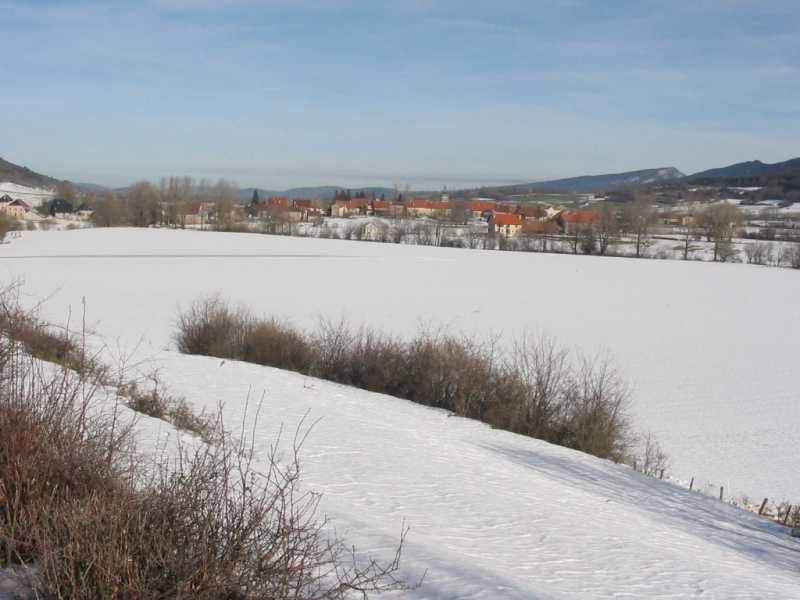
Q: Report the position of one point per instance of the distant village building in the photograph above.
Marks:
(60, 209)
(505, 225)
(422, 207)
(573, 220)
(14, 209)
(481, 207)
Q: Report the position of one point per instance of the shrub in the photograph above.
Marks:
(277, 344)
(96, 524)
(38, 339)
(212, 328)
(5, 226)
(538, 390)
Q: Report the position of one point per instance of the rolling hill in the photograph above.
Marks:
(750, 169)
(11, 173)
(589, 183)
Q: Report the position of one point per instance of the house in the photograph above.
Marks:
(506, 225)
(83, 213)
(308, 208)
(575, 219)
(60, 209)
(421, 207)
(531, 211)
(384, 208)
(280, 201)
(346, 208)
(15, 209)
(676, 218)
(481, 207)
(540, 227)
(197, 213)
(376, 230)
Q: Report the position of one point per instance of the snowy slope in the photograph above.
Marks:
(711, 349)
(492, 515)
(33, 196)
(495, 515)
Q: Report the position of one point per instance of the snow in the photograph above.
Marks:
(492, 514)
(33, 196)
(709, 348)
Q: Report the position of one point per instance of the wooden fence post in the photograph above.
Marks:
(786, 516)
(691, 484)
(721, 490)
(661, 476)
(763, 504)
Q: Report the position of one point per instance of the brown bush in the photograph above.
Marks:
(208, 528)
(52, 452)
(276, 344)
(538, 390)
(158, 404)
(96, 524)
(212, 328)
(37, 338)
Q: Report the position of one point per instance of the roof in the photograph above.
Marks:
(423, 203)
(507, 219)
(481, 205)
(351, 204)
(531, 210)
(582, 215)
(540, 226)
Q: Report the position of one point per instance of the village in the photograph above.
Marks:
(728, 230)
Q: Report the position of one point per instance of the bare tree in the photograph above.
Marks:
(5, 226)
(65, 190)
(638, 218)
(143, 204)
(606, 227)
(689, 235)
(224, 196)
(108, 211)
(720, 222)
(459, 211)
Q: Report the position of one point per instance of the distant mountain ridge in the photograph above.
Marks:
(323, 191)
(589, 183)
(751, 168)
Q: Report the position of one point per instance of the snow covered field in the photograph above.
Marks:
(710, 348)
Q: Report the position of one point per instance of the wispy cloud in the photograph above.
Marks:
(375, 90)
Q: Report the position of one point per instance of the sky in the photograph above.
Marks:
(425, 93)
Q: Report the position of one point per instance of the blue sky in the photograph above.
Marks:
(279, 93)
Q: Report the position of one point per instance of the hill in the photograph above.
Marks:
(591, 183)
(324, 191)
(750, 169)
(11, 173)
(782, 178)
